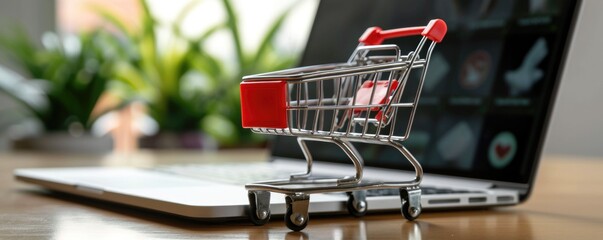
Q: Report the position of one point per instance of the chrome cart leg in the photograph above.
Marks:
(345, 146)
(411, 202)
(356, 158)
(259, 207)
(297, 215)
(413, 161)
(356, 203)
(309, 160)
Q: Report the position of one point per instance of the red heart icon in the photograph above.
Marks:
(502, 150)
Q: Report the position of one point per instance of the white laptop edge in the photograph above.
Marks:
(217, 202)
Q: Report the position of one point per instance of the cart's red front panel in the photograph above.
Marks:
(264, 104)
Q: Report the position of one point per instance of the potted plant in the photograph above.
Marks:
(61, 84)
(186, 88)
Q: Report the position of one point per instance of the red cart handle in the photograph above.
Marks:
(434, 31)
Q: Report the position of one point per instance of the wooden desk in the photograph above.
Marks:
(567, 204)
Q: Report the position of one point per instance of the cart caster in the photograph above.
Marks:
(297, 215)
(259, 207)
(356, 203)
(410, 213)
(411, 203)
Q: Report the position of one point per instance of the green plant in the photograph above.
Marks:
(184, 86)
(64, 77)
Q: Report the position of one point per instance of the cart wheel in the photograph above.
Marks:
(357, 205)
(296, 217)
(411, 202)
(262, 217)
(410, 213)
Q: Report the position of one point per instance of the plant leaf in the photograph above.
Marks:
(148, 22)
(179, 21)
(269, 38)
(196, 42)
(111, 17)
(21, 49)
(233, 28)
(32, 96)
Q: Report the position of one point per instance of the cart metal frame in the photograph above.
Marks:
(344, 117)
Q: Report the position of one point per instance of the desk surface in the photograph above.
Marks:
(566, 203)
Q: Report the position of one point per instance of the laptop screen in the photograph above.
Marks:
(489, 88)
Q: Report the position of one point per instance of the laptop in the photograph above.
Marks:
(478, 131)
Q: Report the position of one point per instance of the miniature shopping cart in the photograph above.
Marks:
(357, 101)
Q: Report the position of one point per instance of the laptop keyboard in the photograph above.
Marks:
(227, 173)
(246, 173)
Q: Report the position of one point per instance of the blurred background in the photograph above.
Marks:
(100, 76)
(95, 76)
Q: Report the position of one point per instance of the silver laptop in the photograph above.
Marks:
(478, 131)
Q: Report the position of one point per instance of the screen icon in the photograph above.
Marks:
(475, 69)
(527, 74)
(502, 149)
